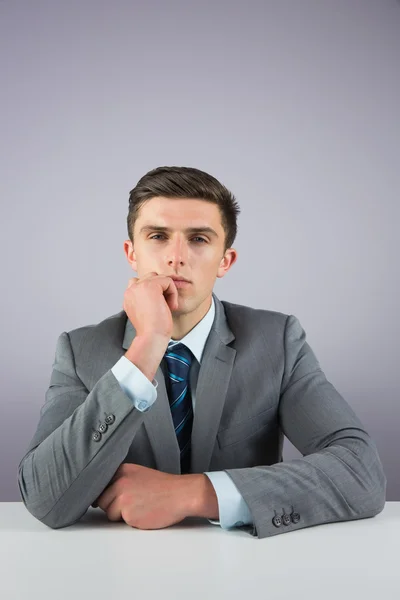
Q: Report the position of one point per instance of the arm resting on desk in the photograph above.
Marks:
(340, 476)
(64, 469)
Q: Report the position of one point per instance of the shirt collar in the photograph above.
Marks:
(196, 339)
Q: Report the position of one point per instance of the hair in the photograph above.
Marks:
(185, 182)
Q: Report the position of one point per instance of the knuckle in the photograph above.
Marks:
(123, 483)
(112, 517)
(130, 521)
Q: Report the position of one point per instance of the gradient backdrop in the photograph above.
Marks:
(293, 105)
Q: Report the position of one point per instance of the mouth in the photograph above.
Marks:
(176, 278)
(181, 283)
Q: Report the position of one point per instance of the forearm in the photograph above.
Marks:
(65, 469)
(337, 483)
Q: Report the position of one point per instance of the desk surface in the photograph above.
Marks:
(97, 559)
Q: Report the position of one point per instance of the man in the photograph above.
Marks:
(177, 405)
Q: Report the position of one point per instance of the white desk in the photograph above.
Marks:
(97, 559)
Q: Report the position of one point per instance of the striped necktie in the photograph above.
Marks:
(179, 359)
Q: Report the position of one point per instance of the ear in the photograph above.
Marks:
(227, 261)
(130, 254)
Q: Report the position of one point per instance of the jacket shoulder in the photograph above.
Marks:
(240, 313)
(110, 328)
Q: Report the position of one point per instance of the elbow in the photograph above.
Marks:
(30, 489)
(365, 490)
(378, 494)
(55, 519)
(48, 519)
(373, 498)
(373, 503)
(56, 514)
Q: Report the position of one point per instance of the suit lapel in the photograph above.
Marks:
(212, 385)
(215, 373)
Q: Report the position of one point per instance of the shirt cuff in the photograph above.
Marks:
(139, 389)
(233, 510)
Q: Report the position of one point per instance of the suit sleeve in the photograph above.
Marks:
(81, 439)
(340, 476)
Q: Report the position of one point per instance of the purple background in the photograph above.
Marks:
(294, 105)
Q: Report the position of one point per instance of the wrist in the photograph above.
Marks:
(147, 353)
(201, 498)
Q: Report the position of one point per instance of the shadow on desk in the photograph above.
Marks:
(96, 518)
(16, 518)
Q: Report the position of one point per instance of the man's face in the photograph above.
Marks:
(197, 255)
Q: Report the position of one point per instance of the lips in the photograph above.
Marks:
(181, 284)
(180, 279)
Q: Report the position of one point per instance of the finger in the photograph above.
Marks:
(114, 511)
(132, 281)
(148, 275)
(170, 290)
(171, 294)
(107, 497)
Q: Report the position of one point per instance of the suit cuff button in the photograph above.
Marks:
(277, 521)
(96, 436)
(295, 517)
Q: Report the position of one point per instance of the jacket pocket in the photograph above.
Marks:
(247, 429)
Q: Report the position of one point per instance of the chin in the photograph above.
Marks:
(182, 305)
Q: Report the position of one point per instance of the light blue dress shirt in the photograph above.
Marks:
(233, 510)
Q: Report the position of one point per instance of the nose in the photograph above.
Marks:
(176, 252)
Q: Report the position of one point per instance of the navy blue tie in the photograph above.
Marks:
(179, 359)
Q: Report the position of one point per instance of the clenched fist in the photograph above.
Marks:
(148, 302)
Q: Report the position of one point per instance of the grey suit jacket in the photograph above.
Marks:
(259, 380)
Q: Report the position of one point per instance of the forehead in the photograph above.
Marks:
(179, 212)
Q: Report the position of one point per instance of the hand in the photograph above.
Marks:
(148, 302)
(145, 498)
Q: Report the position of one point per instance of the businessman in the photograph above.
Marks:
(177, 405)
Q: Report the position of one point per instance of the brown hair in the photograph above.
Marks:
(185, 182)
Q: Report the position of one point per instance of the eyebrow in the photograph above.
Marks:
(200, 229)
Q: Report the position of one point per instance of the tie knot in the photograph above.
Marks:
(179, 352)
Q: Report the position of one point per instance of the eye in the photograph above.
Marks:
(157, 235)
